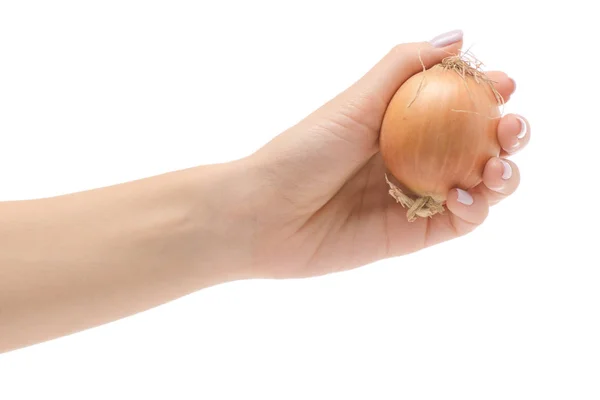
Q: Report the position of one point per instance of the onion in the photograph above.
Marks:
(438, 132)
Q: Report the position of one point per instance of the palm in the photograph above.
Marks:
(363, 223)
(338, 214)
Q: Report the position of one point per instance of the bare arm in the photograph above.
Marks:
(310, 202)
(76, 261)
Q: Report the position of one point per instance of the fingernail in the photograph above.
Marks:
(507, 173)
(464, 197)
(523, 132)
(447, 38)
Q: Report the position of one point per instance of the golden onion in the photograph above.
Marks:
(438, 132)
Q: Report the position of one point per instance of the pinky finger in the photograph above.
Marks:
(468, 210)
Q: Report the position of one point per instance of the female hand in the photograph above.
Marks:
(323, 202)
(312, 201)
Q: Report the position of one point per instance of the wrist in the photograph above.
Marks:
(252, 220)
(242, 219)
(224, 212)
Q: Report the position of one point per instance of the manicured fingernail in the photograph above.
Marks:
(507, 172)
(447, 38)
(523, 132)
(464, 197)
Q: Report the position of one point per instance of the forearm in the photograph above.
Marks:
(73, 262)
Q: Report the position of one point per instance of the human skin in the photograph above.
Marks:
(314, 202)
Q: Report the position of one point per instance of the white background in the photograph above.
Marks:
(94, 93)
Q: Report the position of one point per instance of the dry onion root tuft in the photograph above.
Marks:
(438, 132)
(421, 207)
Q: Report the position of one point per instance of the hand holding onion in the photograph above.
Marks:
(437, 135)
(312, 201)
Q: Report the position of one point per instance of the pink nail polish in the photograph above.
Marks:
(507, 171)
(464, 197)
(523, 132)
(446, 39)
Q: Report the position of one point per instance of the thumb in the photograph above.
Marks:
(332, 142)
(403, 61)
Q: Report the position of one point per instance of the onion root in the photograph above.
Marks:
(423, 207)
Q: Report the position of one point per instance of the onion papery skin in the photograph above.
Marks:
(439, 131)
